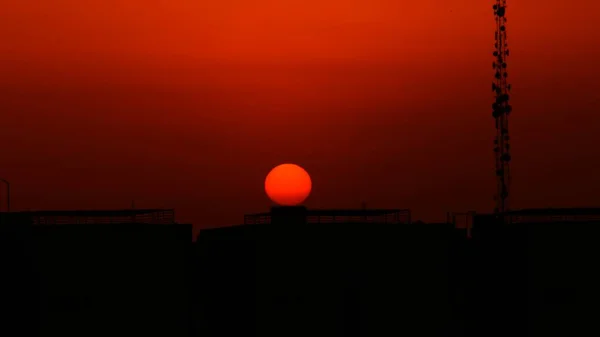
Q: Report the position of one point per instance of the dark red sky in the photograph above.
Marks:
(189, 104)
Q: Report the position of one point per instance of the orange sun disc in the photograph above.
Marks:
(288, 185)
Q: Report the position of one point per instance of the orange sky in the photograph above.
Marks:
(189, 104)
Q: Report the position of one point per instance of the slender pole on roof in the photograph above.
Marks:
(7, 193)
(133, 217)
(364, 208)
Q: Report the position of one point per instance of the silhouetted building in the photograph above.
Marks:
(290, 216)
(99, 273)
(534, 273)
(18, 288)
(340, 273)
(297, 272)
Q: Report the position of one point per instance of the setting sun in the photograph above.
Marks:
(288, 185)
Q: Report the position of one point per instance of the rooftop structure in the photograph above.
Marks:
(59, 217)
(550, 215)
(314, 216)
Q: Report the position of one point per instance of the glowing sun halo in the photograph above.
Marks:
(288, 185)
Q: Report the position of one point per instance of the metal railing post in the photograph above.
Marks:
(7, 193)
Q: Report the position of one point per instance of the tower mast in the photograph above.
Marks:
(501, 109)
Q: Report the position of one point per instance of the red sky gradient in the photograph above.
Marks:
(189, 104)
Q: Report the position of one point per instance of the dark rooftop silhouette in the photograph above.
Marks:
(95, 273)
(367, 272)
(165, 216)
(340, 215)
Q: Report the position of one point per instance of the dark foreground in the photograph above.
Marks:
(298, 280)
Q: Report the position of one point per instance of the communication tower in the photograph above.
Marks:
(501, 109)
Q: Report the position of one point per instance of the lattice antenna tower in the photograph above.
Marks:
(501, 109)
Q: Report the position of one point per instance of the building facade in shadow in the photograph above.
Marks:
(97, 273)
(297, 272)
(534, 273)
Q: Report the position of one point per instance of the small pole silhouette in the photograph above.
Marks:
(133, 219)
(364, 208)
(7, 193)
